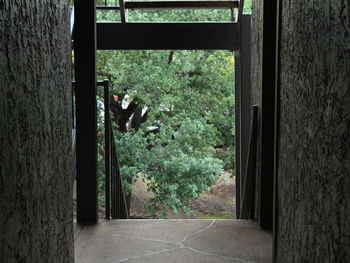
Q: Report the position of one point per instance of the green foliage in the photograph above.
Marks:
(165, 15)
(180, 179)
(133, 156)
(198, 84)
(178, 167)
(247, 6)
(179, 15)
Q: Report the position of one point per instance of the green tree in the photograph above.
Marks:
(188, 96)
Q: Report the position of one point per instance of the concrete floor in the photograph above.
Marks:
(170, 241)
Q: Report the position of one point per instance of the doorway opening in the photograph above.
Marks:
(172, 115)
(166, 240)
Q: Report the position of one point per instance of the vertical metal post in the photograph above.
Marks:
(73, 105)
(277, 126)
(243, 106)
(123, 11)
(85, 77)
(113, 179)
(247, 208)
(268, 114)
(253, 155)
(240, 10)
(238, 132)
(107, 151)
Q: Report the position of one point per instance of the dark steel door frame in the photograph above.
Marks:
(86, 118)
(242, 106)
(89, 36)
(277, 125)
(168, 36)
(272, 15)
(267, 124)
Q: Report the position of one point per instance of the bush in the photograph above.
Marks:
(179, 180)
(177, 164)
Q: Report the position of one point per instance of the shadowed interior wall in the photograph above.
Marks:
(256, 76)
(35, 132)
(314, 161)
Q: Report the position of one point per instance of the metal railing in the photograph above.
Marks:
(115, 201)
(74, 131)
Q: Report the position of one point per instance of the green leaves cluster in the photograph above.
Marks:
(177, 165)
(175, 85)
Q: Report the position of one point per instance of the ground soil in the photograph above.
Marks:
(218, 203)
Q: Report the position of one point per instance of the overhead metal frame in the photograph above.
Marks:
(165, 36)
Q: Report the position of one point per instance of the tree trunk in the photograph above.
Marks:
(136, 120)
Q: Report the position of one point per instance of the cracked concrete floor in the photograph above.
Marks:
(170, 241)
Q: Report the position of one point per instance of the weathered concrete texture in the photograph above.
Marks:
(256, 76)
(35, 176)
(167, 241)
(314, 163)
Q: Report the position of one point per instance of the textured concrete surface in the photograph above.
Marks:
(314, 161)
(35, 132)
(168, 241)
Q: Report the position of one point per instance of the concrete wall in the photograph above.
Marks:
(35, 121)
(314, 161)
(314, 164)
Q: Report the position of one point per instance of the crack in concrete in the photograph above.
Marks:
(197, 232)
(179, 244)
(79, 231)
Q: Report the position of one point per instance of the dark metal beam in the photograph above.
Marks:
(253, 156)
(267, 145)
(240, 10)
(107, 8)
(243, 107)
(238, 140)
(122, 10)
(85, 93)
(165, 36)
(277, 126)
(245, 98)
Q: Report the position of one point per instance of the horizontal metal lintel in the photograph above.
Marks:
(107, 8)
(175, 5)
(165, 36)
